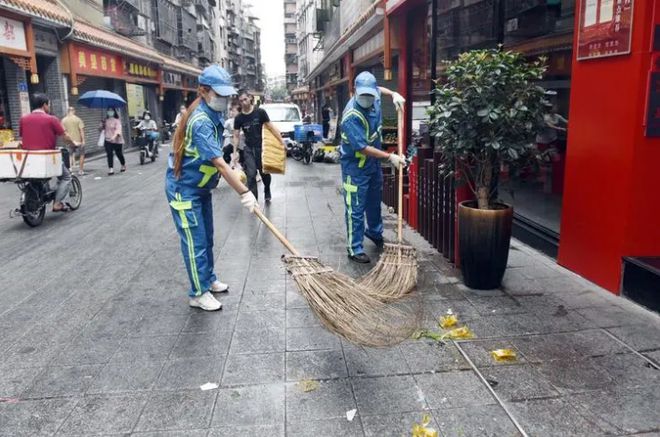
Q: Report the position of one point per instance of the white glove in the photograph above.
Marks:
(396, 160)
(398, 101)
(248, 201)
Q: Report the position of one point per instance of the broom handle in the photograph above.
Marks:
(276, 232)
(400, 151)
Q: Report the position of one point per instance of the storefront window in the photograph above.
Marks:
(5, 121)
(534, 28)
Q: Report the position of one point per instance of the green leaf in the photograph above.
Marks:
(483, 112)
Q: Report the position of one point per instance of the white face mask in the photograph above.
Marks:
(147, 118)
(110, 113)
(218, 103)
(365, 100)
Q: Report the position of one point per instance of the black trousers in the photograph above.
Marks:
(112, 149)
(326, 128)
(252, 165)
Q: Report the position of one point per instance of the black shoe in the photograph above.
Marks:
(361, 258)
(267, 196)
(379, 242)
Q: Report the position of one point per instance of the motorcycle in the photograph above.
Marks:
(148, 146)
(303, 151)
(36, 194)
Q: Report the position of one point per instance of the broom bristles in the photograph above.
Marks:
(395, 274)
(348, 309)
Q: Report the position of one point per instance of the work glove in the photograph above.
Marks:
(248, 201)
(397, 160)
(398, 101)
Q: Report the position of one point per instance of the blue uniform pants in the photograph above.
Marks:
(192, 211)
(363, 194)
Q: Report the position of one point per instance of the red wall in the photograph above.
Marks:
(611, 205)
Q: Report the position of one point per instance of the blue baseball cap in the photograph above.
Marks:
(365, 83)
(218, 79)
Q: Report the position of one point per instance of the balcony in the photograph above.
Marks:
(187, 29)
(205, 46)
(123, 20)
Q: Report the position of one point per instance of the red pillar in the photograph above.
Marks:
(611, 205)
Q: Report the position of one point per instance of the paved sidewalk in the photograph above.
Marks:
(98, 338)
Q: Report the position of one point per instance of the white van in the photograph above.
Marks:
(284, 116)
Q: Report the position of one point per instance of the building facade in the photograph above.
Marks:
(290, 44)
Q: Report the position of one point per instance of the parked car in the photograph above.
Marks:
(284, 116)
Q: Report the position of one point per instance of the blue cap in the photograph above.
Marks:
(218, 79)
(365, 83)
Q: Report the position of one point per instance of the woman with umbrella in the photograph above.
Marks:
(111, 127)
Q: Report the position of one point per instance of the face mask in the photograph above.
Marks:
(365, 101)
(110, 113)
(147, 118)
(218, 103)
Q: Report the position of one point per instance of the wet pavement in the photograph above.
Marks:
(97, 337)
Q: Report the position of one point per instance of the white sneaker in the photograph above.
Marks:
(206, 302)
(219, 287)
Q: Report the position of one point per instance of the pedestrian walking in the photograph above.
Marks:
(251, 120)
(114, 140)
(325, 119)
(228, 135)
(179, 115)
(192, 173)
(75, 129)
(362, 176)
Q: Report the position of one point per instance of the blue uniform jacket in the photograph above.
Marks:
(203, 142)
(360, 128)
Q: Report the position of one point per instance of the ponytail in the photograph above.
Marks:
(180, 134)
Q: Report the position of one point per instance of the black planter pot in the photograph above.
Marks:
(484, 237)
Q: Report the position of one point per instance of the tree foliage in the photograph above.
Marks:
(488, 111)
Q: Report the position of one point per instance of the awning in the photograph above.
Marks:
(47, 10)
(541, 45)
(172, 64)
(101, 38)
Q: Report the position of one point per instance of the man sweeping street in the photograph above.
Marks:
(362, 176)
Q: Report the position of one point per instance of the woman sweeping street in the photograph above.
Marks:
(192, 173)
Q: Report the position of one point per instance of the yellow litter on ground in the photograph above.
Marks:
(307, 385)
(503, 355)
(422, 429)
(462, 333)
(448, 321)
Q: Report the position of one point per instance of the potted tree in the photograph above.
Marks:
(486, 114)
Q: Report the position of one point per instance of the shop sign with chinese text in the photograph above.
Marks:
(135, 69)
(605, 28)
(97, 62)
(12, 35)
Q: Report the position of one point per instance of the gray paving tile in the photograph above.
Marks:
(144, 349)
(301, 318)
(253, 405)
(540, 418)
(388, 395)
(298, 339)
(607, 316)
(395, 425)
(189, 373)
(594, 342)
(294, 299)
(151, 325)
(262, 301)
(186, 433)
(655, 356)
(248, 431)
(516, 383)
(30, 354)
(257, 341)
(639, 337)
(265, 319)
(34, 418)
(326, 428)
(315, 365)
(177, 411)
(126, 377)
(63, 381)
(87, 351)
(542, 348)
(375, 362)
(244, 369)
(483, 420)
(454, 389)
(574, 376)
(628, 370)
(200, 345)
(330, 400)
(199, 322)
(495, 305)
(15, 380)
(105, 414)
(423, 357)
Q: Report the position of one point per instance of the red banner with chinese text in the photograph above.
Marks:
(95, 62)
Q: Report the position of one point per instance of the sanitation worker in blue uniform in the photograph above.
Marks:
(361, 152)
(193, 171)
